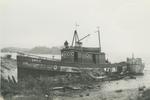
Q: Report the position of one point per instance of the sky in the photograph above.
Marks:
(124, 25)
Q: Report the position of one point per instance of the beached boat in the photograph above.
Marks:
(74, 59)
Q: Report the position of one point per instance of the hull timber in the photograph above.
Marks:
(40, 66)
(36, 66)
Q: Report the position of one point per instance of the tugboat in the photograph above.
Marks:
(73, 58)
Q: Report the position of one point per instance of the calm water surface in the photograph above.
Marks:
(129, 83)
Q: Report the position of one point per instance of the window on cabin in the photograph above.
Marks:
(75, 56)
(94, 58)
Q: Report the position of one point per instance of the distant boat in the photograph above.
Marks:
(135, 65)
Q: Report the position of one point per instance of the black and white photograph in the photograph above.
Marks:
(74, 50)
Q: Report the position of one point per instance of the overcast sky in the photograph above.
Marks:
(124, 24)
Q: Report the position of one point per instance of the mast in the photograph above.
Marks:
(99, 40)
(98, 31)
(132, 55)
(75, 36)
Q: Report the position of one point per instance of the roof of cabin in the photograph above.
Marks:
(84, 49)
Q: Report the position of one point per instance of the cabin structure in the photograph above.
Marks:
(82, 55)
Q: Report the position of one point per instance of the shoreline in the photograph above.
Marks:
(127, 94)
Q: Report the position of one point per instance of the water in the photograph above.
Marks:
(13, 55)
(129, 83)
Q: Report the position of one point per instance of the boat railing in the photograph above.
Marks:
(48, 61)
(35, 56)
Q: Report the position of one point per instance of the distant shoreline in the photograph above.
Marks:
(34, 50)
